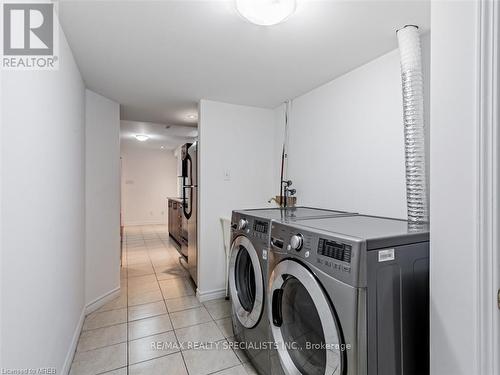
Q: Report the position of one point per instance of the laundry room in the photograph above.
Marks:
(250, 187)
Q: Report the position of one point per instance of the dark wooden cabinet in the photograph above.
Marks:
(175, 220)
(169, 215)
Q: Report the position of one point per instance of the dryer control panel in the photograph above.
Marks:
(338, 257)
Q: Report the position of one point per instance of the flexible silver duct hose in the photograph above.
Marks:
(413, 117)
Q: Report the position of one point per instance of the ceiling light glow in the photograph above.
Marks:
(191, 117)
(141, 137)
(266, 12)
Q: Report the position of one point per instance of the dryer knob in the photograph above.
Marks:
(242, 224)
(297, 241)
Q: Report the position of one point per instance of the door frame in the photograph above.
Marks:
(488, 314)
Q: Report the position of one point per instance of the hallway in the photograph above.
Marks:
(157, 320)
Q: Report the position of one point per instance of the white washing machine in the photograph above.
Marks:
(248, 275)
(349, 296)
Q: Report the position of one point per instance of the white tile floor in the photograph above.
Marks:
(157, 305)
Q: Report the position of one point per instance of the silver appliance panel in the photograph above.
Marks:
(191, 211)
(338, 257)
(382, 304)
(378, 232)
(291, 213)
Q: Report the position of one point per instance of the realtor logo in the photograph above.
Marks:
(28, 29)
(29, 36)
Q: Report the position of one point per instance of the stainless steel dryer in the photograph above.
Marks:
(248, 275)
(349, 296)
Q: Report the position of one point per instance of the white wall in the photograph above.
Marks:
(43, 207)
(346, 147)
(102, 192)
(2, 120)
(240, 140)
(279, 135)
(149, 176)
(454, 195)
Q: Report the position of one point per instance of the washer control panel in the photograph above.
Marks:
(335, 256)
(251, 227)
(335, 250)
(261, 226)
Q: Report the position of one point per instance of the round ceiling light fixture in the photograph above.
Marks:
(141, 137)
(266, 12)
(191, 117)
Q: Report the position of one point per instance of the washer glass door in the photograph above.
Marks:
(303, 323)
(246, 282)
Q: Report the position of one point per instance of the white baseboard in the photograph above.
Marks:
(90, 307)
(210, 295)
(74, 342)
(102, 300)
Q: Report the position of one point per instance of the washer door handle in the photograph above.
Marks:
(276, 307)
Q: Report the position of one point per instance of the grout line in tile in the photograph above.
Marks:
(227, 368)
(104, 346)
(152, 359)
(145, 303)
(106, 326)
(182, 354)
(111, 325)
(108, 371)
(188, 308)
(154, 334)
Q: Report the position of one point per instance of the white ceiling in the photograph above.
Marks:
(159, 58)
(168, 137)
